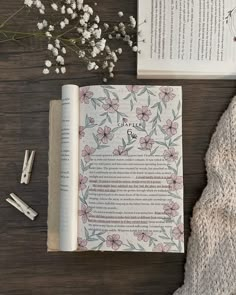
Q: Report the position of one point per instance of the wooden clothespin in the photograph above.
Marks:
(27, 166)
(21, 206)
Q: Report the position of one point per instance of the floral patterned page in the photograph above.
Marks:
(131, 184)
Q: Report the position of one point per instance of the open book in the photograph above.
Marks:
(115, 169)
(187, 39)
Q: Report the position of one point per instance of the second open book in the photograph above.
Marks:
(115, 169)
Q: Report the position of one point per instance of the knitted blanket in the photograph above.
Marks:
(211, 258)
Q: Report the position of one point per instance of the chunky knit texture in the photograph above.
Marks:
(211, 259)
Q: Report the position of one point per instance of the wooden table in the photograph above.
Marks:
(25, 265)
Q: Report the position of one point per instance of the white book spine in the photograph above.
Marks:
(69, 168)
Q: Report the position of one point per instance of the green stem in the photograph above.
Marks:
(11, 16)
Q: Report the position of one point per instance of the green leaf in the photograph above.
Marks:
(150, 92)
(123, 142)
(118, 117)
(115, 95)
(86, 120)
(102, 146)
(153, 152)
(123, 115)
(155, 105)
(178, 163)
(142, 91)
(103, 114)
(106, 92)
(101, 238)
(173, 113)
(173, 169)
(131, 104)
(82, 200)
(102, 122)
(86, 195)
(115, 129)
(94, 104)
(164, 238)
(149, 100)
(129, 148)
(177, 138)
(138, 128)
(82, 165)
(174, 196)
(86, 233)
(179, 220)
(134, 96)
(95, 138)
(109, 119)
(108, 86)
(161, 143)
(179, 105)
(128, 96)
(161, 129)
(159, 107)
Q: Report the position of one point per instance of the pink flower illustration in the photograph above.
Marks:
(87, 152)
(170, 155)
(120, 151)
(111, 105)
(104, 134)
(178, 232)
(143, 113)
(161, 248)
(81, 132)
(134, 88)
(82, 181)
(146, 142)
(85, 213)
(82, 244)
(85, 95)
(170, 127)
(91, 120)
(175, 182)
(166, 93)
(114, 241)
(171, 209)
(143, 236)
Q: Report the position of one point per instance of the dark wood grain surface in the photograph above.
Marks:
(25, 265)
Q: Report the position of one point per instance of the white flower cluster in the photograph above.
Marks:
(78, 29)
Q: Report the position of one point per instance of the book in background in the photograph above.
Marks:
(187, 39)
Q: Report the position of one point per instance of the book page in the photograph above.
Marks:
(187, 36)
(69, 168)
(131, 177)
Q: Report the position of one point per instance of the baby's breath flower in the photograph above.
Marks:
(57, 70)
(45, 71)
(132, 21)
(48, 34)
(62, 25)
(63, 70)
(50, 46)
(74, 15)
(69, 10)
(51, 28)
(135, 48)
(28, 3)
(45, 23)
(55, 51)
(106, 26)
(120, 14)
(63, 50)
(54, 6)
(66, 21)
(91, 66)
(86, 34)
(119, 50)
(97, 19)
(63, 9)
(60, 60)
(48, 63)
(105, 80)
(40, 26)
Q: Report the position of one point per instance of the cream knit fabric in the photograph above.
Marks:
(211, 259)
